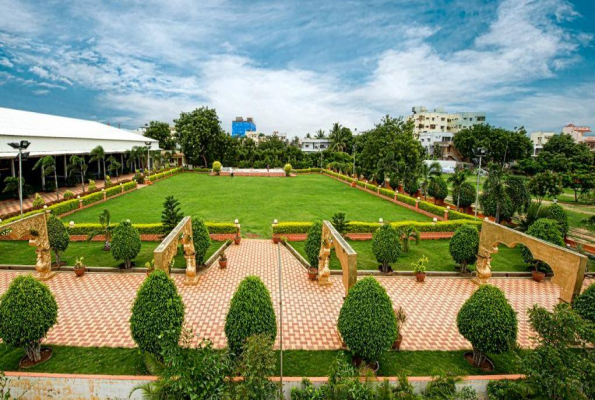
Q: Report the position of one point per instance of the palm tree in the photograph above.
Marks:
(320, 134)
(534, 212)
(98, 154)
(105, 221)
(495, 187)
(114, 166)
(48, 167)
(457, 179)
(77, 165)
(340, 137)
(429, 173)
(406, 235)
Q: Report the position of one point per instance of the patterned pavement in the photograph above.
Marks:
(94, 309)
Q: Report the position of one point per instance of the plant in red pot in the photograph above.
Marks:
(79, 266)
(312, 273)
(401, 317)
(419, 268)
(222, 260)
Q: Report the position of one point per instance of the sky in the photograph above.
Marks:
(300, 66)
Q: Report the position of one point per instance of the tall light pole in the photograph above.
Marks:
(353, 160)
(481, 153)
(148, 144)
(22, 145)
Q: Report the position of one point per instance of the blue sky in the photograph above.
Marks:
(299, 66)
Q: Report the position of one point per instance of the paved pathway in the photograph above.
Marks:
(94, 310)
(13, 205)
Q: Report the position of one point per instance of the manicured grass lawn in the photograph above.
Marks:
(436, 251)
(20, 253)
(119, 361)
(255, 201)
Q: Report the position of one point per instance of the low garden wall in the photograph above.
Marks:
(77, 387)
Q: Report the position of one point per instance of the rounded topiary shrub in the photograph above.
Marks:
(250, 313)
(201, 239)
(545, 229)
(157, 314)
(367, 321)
(58, 237)
(125, 243)
(584, 304)
(217, 167)
(438, 188)
(410, 185)
(287, 168)
(386, 246)
(27, 312)
(557, 213)
(465, 195)
(489, 322)
(463, 246)
(313, 243)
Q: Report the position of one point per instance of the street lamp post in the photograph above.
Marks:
(148, 144)
(22, 145)
(481, 153)
(353, 160)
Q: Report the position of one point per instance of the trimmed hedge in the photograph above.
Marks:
(125, 243)
(201, 240)
(463, 246)
(544, 229)
(584, 304)
(250, 313)
(386, 246)
(313, 243)
(58, 237)
(370, 227)
(488, 321)
(367, 321)
(92, 198)
(28, 310)
(149, 229)
(157, 314)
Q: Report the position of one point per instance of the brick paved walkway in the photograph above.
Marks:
(94, 310)
(13, 205)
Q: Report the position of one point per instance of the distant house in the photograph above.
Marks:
(539, 139)
(315, 145)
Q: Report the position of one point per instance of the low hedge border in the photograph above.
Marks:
(164, 174)
(148, 229)
(423, 205)
(370, 227)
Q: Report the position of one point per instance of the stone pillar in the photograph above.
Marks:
(446, 213)
(80, 201)
(42, 178)
(417, 203)
(104, 194)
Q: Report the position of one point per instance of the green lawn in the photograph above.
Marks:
(436, 251)
(20, 253)
(255, 201)
(119, 361)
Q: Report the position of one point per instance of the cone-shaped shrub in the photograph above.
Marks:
(584, 304)
(250, 313)
(488, 322)
(201, 239)
(313, 242)
(463, 246)
(367, 321)
(125, 242)
(27, 312)
(557, 213)
(157, 314)
(58, 236)
(386, 246)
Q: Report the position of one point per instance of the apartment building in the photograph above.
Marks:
(539, 139)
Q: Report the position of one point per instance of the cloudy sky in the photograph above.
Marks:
(299, 66)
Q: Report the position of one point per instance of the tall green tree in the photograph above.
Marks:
(48, 167)
(160, 131)
(98, 154)
(429, 173)
(457, 179)
(200, 135)
(562, 154)
(501, 145)
(114, 166)
(341, 137)
(77, 165)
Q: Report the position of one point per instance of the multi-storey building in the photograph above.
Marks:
(577, 132)
(315, 145)
(436, 129)
(239, 127)
(539, 139)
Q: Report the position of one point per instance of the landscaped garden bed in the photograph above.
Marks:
(437, 252)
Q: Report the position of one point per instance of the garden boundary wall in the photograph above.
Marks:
(38, 386)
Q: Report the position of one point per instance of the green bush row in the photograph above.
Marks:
(305, 170)
(92, 198)
(148, 229)
(370, 227)
(163, 174)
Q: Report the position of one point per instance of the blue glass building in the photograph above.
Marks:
(239, 127)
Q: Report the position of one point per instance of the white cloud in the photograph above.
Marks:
(5, 62)
(41, 92)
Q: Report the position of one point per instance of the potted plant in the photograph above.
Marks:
(222, 260)
(419, 268)
(401, 317)
(312, 273)
(538, 272)
(79, 266)
(276, 238)
(237, 239)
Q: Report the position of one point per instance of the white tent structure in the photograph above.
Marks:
(54, 135)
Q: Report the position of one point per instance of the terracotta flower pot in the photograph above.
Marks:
(538, 276)
(312, 273)
(420, 277)
(353, 184)
(276, 239)
(237, 239)
(79, 271)
(223, 264)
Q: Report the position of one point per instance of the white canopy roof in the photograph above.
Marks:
(55, 135)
